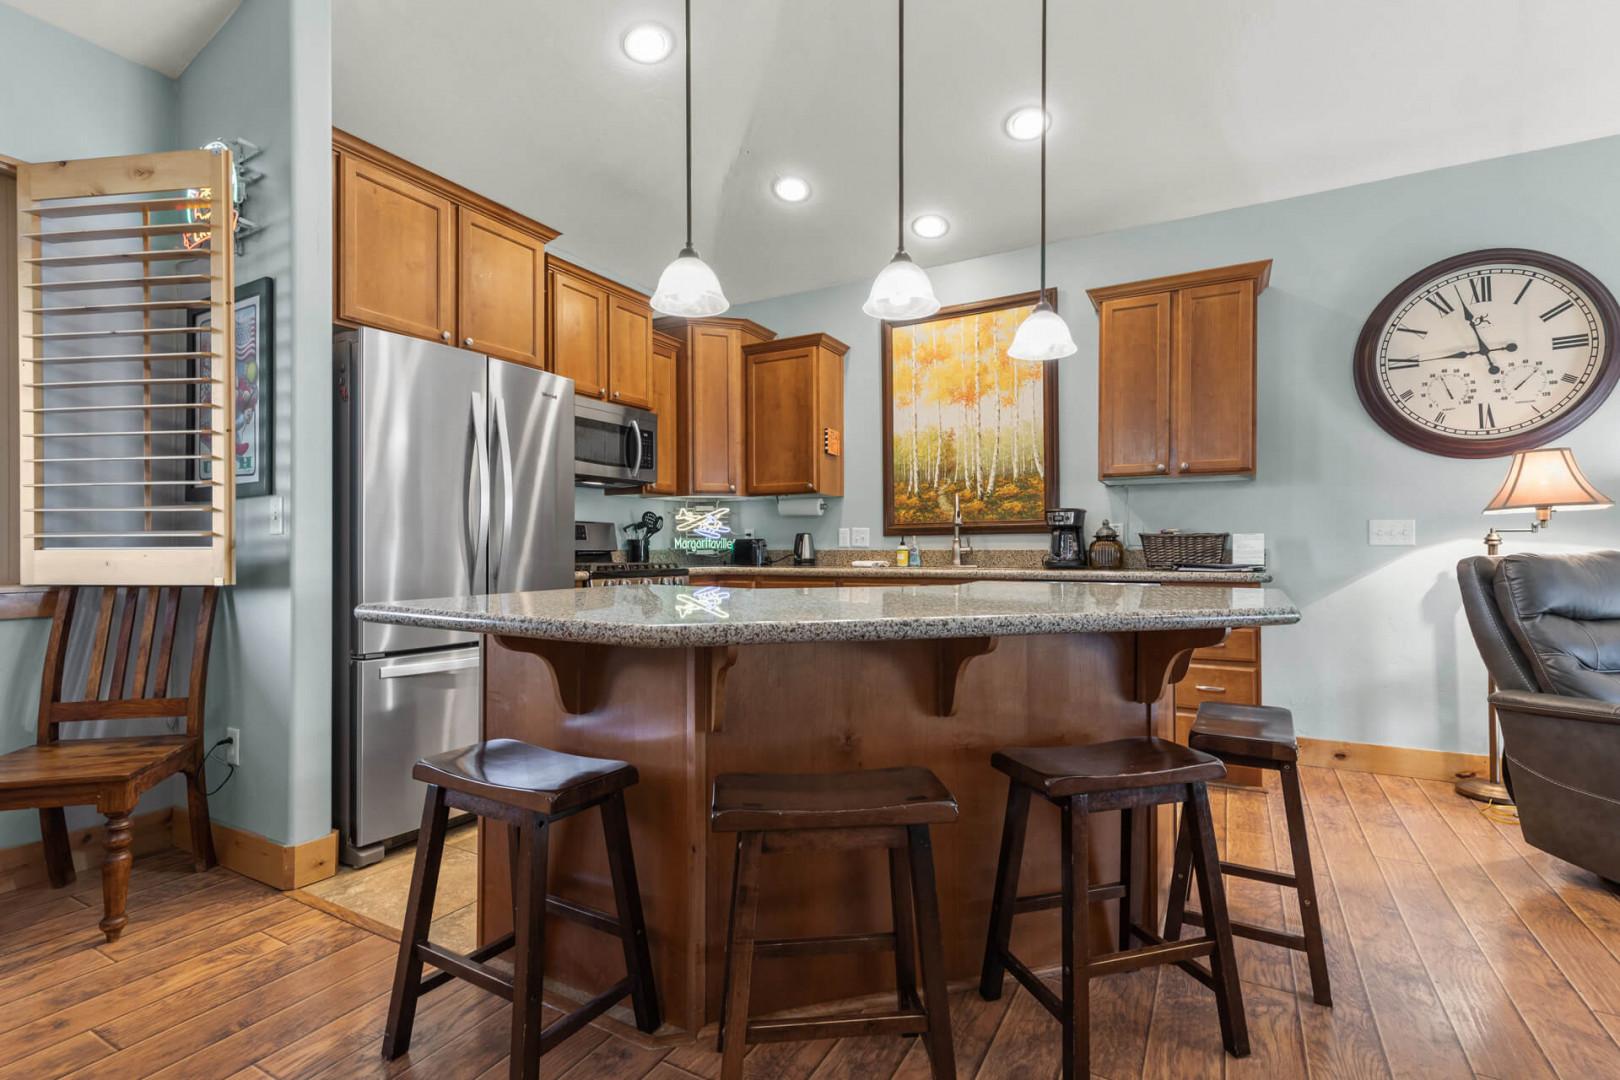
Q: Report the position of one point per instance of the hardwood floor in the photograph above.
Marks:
(1455, 949)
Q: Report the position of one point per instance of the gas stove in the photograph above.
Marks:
(632, 573)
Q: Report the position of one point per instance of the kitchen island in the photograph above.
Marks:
(686, 682)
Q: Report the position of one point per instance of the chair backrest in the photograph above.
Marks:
(1548, 623)
(132, 662)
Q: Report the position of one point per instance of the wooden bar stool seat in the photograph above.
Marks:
(529, 788)
(1123, 775)
(1262, 737)
(788, 812)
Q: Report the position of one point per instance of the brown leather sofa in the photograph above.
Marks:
(1548, 627)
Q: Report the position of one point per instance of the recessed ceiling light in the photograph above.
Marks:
(930, 226)
(648, 43)
(1027, 123)
(791, 189)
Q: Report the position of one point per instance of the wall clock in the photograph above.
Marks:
(1488, 353)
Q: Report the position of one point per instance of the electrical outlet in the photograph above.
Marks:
(843, 537)
(861, 538)
(1391, 532)
(278, 515)
(233, 752)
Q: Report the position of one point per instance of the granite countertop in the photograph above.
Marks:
(678, 616)
(984, 573)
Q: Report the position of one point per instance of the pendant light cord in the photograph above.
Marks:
(689, 122)
(900, 226)
(1042, 297)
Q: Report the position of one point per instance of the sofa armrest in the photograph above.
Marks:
(1557, 705)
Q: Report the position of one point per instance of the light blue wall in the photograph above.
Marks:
(1383, 654)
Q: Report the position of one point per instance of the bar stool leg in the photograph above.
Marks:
(1126, 833)
(1076, 940)
(1180, 880)
(1013, 828)
(529, 950)
(905, 931)
(1212, 899)
(418, 917)
(1305, 883)
(941, 1055)
(740, 956)
(632, 924)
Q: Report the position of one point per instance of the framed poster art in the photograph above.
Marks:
(962, 419)
(254, 452)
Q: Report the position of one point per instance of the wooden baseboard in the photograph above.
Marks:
(251, 855)
(24, 866)
(1444, 765)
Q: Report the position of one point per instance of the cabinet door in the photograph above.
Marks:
(503, 290)
(664, 404)
(779, 427)
(629, 352)
(707, 424)
(1214, 380)
(1133, 373)
(579, 331)
(396, 253)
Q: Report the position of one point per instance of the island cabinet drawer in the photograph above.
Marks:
(1241, 644)
(1236, 684)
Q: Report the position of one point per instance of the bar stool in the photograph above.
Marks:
(802, 813)
(1261, 737)
(528, 788)
(1122, 775)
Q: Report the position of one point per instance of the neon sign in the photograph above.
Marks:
(702, 528)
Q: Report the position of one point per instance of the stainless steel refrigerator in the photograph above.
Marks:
(454, 477)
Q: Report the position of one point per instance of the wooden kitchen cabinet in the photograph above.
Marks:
(666, 353)
(794, 416)
(1176, 374)
(502, 281)
(601, 335)
(630, 348)
(710, 389)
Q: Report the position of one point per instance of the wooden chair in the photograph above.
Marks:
(131, 668)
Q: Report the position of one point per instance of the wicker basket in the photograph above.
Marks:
(1169, 548)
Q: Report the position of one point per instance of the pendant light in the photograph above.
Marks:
(902, 289)
(687, 287)
(1043, 335)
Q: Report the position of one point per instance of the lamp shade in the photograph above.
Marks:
(1043, 335)
(902, 291)
(687, 287)
(1546, 479)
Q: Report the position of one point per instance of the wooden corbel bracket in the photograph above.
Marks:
(1162, 657)
(710, 665)
(570, 664)
(954, 656)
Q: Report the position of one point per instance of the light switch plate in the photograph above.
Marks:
(278, 515)
(1391, 532)
(843, 537)
(861, 538)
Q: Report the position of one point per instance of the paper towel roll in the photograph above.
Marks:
(801, 506)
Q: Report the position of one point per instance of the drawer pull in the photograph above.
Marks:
(1202, 688)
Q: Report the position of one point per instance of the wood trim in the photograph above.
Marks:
(676, 326)
(279, 866)
(1258, 272)
(595, 279)
(353, 144)
(27, 603)
(801, 341)
(1416, 762)
(23, 866)
(10, 533)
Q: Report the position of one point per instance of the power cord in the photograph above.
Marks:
(231, 769)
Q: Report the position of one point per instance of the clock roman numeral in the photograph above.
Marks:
(1572, 341)
(1553, 312)
(1487, 418)
(1570, 377)
(1528, 282)
(1480, 288)
(1409, 330)
(1440, 417)
(1408, 395)
(1400, 365)
(1441, 304)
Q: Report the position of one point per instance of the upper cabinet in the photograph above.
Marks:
(601, 335)
(420, 255)
(794, 416)
(666, 353)
(1176, 374)
(709, 386)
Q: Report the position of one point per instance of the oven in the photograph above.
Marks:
(614, 445)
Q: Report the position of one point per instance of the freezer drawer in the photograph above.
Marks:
(407, 707)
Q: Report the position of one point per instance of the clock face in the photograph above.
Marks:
(1488, 353)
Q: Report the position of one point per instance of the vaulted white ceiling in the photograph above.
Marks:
(164, 35)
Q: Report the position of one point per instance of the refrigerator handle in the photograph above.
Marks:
(508, 494)
(481, 461)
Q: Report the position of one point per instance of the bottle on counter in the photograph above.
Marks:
(902, 554)
(1106, 552)
(914, 554)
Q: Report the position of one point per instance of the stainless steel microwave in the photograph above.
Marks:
(614, 445)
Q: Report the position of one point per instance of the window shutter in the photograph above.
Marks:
(126, 416)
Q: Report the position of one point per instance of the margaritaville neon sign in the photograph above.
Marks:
(702, 528)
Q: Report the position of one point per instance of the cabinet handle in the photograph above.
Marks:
(617, 395)
(1160, 467)
(1200, 687)
(466, 341)
(809, 485)
(731, 487)
(1183, 466)
(444, 335)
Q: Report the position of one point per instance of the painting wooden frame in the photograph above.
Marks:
(255, 344)
(1047, 412)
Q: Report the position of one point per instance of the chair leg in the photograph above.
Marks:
(936, 999)
(418, 917)
(115, 876)
(1126, 833)
(1014, 825)
(1305, 883)
(740, 956)
(902, 905)
(53, 834)
(632, 925)
(202, 832)
(529, 950)
(1212, 899)
(1180, 881)
(1075, 859)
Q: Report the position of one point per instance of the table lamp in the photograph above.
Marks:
(1538, 481)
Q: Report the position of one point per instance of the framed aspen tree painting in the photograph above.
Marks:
(962, 419)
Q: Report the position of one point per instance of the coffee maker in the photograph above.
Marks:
(1068, 548)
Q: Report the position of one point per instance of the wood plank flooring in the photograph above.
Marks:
(1455, 948)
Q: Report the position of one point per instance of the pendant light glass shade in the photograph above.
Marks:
(687, 287)
(902, 291)
(1043, 335)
